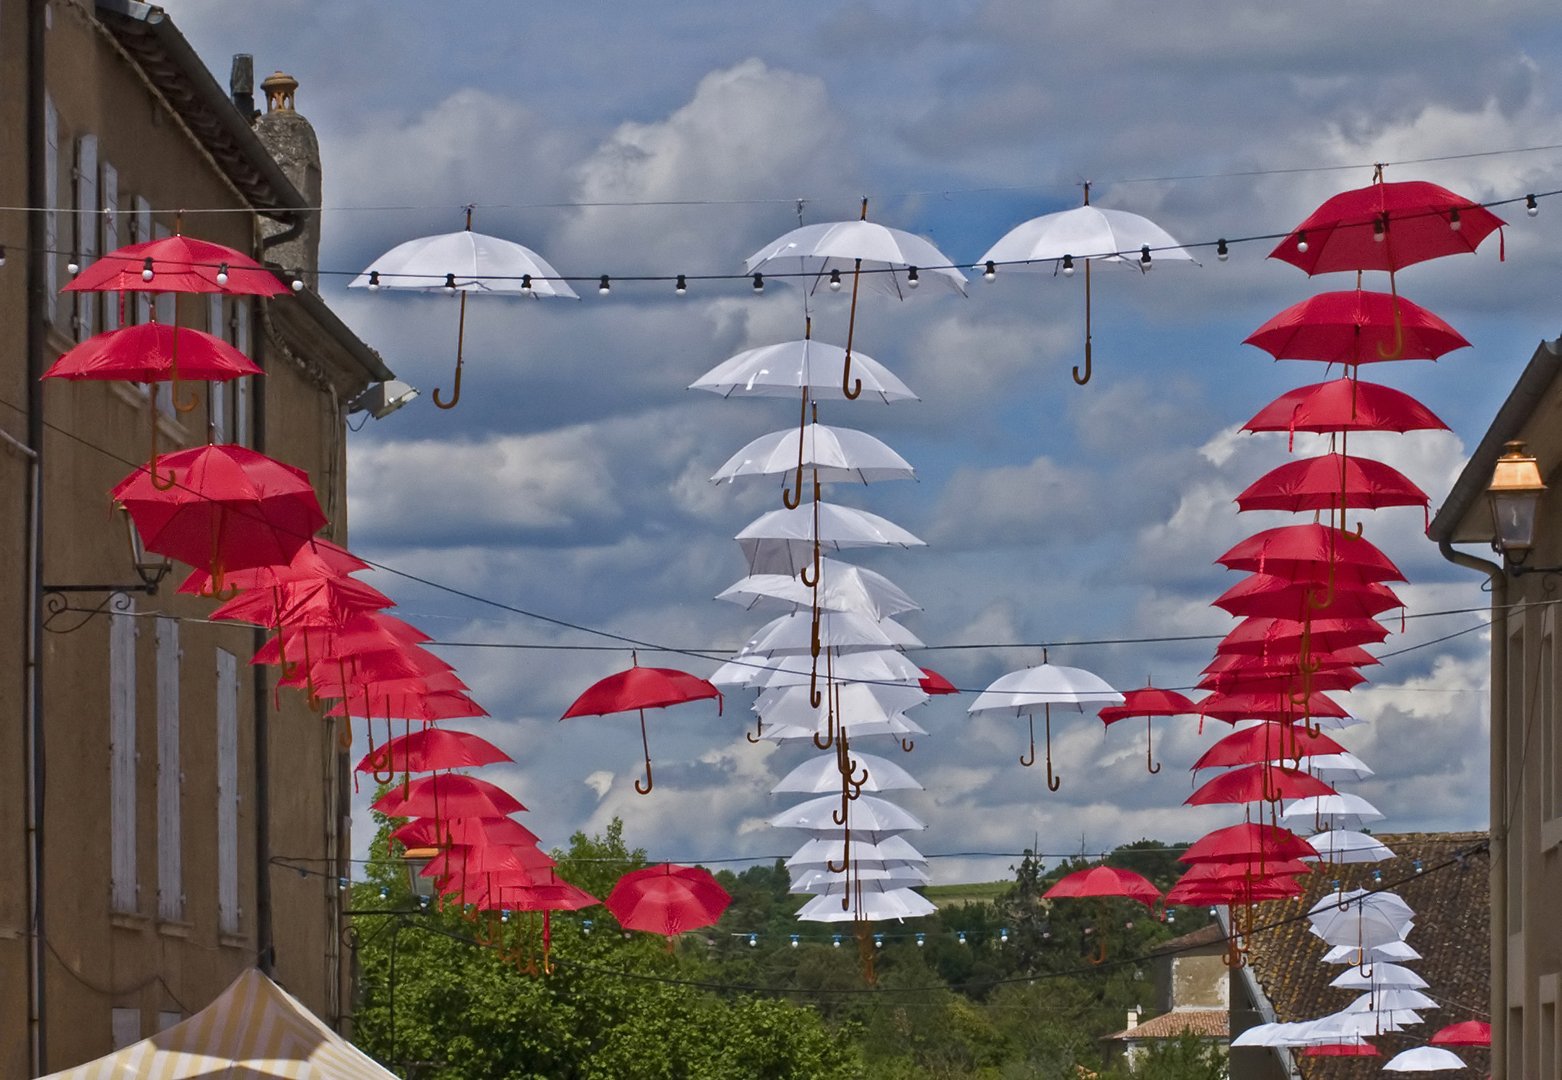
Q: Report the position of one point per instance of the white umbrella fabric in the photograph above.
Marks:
(858, 702)
(842, 587)
(844, 631)
(867, 904)
(865, 814)
(783, 541)
(463, 262)
(808, 367)
(1382, 975)
(1361, 921)
(1036, 689)
(825, 882)
(884, 666)
(1391, 999)
(835, 455)
(891, 851)
(1425, 1059)
(849, 247)
(821, 774)
(1345, 846)
(1336, 809)
(897, 727)
(1342, 766)
(1389, 951)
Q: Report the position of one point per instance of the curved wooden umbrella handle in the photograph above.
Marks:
(1032, 760)
(1083, 379)
(644, 741)
(1149, 746)
(1053, 782)
(455, 394)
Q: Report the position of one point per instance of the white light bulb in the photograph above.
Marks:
(298, 284)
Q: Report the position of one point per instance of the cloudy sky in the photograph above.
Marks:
(571, 481)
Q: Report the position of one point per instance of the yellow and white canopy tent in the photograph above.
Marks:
(255, 1030)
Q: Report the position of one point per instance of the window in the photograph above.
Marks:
(167, 1019)
(227, 792)
(108, 194)
(216, 397)
(241, 386)
(126, 1025)
(140, 232)
(122, 755)
(85, 244)
(51, 202)
(170, 876)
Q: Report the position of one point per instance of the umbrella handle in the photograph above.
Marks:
(907, 745)
(815, 697)
(1100, 958)
(455, 393)
(1399, 327)
(793, 498)
(1053, 782)
(758, 733)
(152, 466)
(1082, 380)
(345, 739)
(1032, 760)
(1149, 746)
(647, 744)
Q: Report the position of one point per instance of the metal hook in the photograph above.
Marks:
(455, 395)
(647, 744)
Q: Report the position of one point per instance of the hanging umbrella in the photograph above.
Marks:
(934, 683)
(1468, 1033)
(378, 701)
(225, 508)
(1243, 843)
(844, 631)
(1305, 552)
(667, 900)
(1390, 951)
(463, 262)
(1278, 598)
(316, 559)
(179, 264)
(1282, 706)
(429, 749)
(366, 630)
(1382, 976)
(1360, 919)
(447, 795)
(1283, 637)
(889, 852)
(1264, 742)
(1236, 891)
(783, 541)
(867, 815)
(1330, 806)
(866, 902)
(882, 666)
(1257, 783)
(637, 690)
(471, 832)
(1036, 689)
(842, 587)
(807, 367)
(1424, 1059)
(1345, 404)
(1331, 482)
(1341, 766)
(1260, 870)
(834, 454)
(148, 352)
(1054, 242)
(861, 701)
(1283, 663)
(1392, 999)
(1148, 702)
(1355, 327)
(469, 860)
(311, 602)
(823, 774)
(827, 882)
(1105, 881)
(1358, 1048)
(1289, 681)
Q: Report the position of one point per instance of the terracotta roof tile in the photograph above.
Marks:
(1209, 1023)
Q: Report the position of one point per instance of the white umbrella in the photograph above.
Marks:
(1391, 999)
(1382, 1017)
(1353, 1025)
(864, 814)
(1335, 723)
(1342, 766)
(834, 455)
(843, 631)
(463, 262)
(1036, 689)
(1054, 242)
(1335, 809)
(1388, 951)
(821, 774)
(807, 367)
(870, 903)
(897, 726)
(842, 587)
(857, 702)
(1345, 846)
(1381, 975)
(891, 851)
(1424, 1059)
(783, 541)
(825, 881)
(1361, 921)
(884, 666)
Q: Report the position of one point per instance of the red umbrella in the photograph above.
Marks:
(1238, 891)
(147, 353)
(1277, 598)
(369, 630)
(1105, 881)
(427, 750)
(367, 667)
(1148, 702)
(1258, 871)
(447, 795)
(1257, 681)
(1243, 843)
(667, 900)
(1350, 1049)
(639, 689)
(1289, 663)
(1355, 327)
(1275, 637)
(1344, 404)
(470, 860)
(178, 264)
(225, 508)
(1273, 706)
(426, 832)
(311, 602)
(398, 704)
(1258, 783)
(1265, 742)
(934, 683)
(1306, 553)
(1468, 1033)
(1386, 227)
(553, 894)
(1331, 482)
(316, 559)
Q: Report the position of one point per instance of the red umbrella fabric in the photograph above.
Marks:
(1258, 870)
(1305, 552)
(638, 689)
(1355, 327)
(228, 508)
(468, 861)
(1148, 701)
(1278, 598)
(369, 630)
(1243, 843)
(1274, 706)
(1276, 637)
(1105, 881)
(439, 682)
(316, 559)
(312, 602)
(1236, 891)
(178, 264)
(380, 703)
(1345, 404)
(1265, 742)
(1289, 663)
(1317, 483)
(933, 683)
(430, 749)
(1468, 1033)
(447, 795)
(1361, 1049)
(1257, 681)
(1413, 218)
(667, 900)
(1258, 783)
(147, 353)
(426, 832)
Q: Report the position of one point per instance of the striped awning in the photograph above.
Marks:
(254, 1031)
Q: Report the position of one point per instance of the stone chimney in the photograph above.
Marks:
(241, 86)
(291, 141)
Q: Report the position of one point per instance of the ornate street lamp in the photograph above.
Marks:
(415, 860)
(1514, 496)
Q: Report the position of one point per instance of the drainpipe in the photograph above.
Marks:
(32, 631)
(1498, 799)
(265, 945)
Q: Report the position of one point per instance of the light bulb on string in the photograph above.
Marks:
(1301, 241)
(835, 281)
(450, 284)
(682, 288)
(1531, 207)
(604, 286)
(1068, 266)
(1222, 252)
(1144, 258)
(526, 285)
(1453, 219)
(222, 274)
(374, 281)
(911, 277)
(759, 284)
(74, 266)
(146, 269)
(1380, 229)
(990, 272)
(298, 284)
(2, 254)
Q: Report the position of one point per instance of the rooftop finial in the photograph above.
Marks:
(279, 90)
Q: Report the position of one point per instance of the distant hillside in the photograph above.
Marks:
(976, 892)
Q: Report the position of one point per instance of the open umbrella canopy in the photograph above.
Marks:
(1085, 233)
(309, 602)
(148, 353)
(1424, 1059)
(226, 508)
(865, 814)
(1257, 783)
(1359, 1048)
(429, 749)
(1262, 681)
(380, 702)
(1239, 891)
(1306, 552)
(844, 632)
(887, 257)
(787, 369)
(1267, 637)
(1389, 952)
(1468, 1033)
(366, 631)
(468, 860)
(1361, 919)
(775, 672)
(640, 688)
(1268, 741)
(933, 683)
(1273, 597)
(870, 901)
(1283, 663)
(1386, 226)
(465, 261)
(823, 773)
(1327, 806)
(889, 852)
(1148, 701)
(667, 899)
(1247, 842)
(447, 795)
(858, 702)
(1260, 870)
(1280, 706)
(177, 264)
(842, 587)
(1323, 483)
(316, 559)
(1105, 881)
(1345, 404)
(835, 455)
(1355, 327)
(1023, 692)
(782, 541)
(1380, 976)
(426, 832)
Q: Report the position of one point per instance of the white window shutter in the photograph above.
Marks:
(108, 195)
(227, 792)
(122, 754)
(142, 223)
(216, 392)
(86, 242)
(241, 385)
(170, 875)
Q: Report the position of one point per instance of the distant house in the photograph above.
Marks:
(1192, 995)
(1443, 877)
